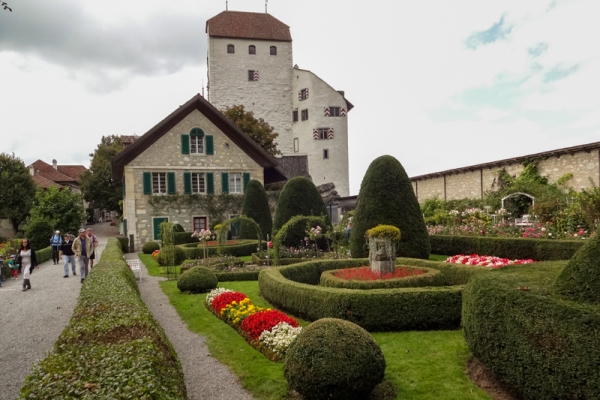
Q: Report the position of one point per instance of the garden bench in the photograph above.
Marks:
(135, 267)
(523, 221)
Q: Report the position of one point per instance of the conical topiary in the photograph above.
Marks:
(580, 280)
(256, 206)
(387, 197)
(299, 197)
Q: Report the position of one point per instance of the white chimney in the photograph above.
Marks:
(54, 164)
(31, 171)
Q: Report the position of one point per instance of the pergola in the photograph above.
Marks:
(519, 194)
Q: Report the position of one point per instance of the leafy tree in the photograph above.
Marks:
(256, 206)
(387, 197)
(258, 129)
(17, 190)
(39, 231)
(63, 208)
(96, 184)
(299, 197)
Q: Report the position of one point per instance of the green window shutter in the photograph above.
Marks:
(210, 146)
(185, 144)
(246, 179)
(225, 182)
(210, 184)
(187, 183)
(171, 182)
(147, 183)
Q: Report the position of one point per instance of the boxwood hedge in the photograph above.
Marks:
(294, 289)
(537, 344)
(430, 277)
(112, 347)
(513, 248)
(244, 248)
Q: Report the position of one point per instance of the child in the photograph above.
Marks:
(14, 268)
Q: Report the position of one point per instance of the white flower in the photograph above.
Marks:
(280, 337)
(214, 293)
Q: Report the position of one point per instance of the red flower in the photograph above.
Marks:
(261, 321)
(223, 299)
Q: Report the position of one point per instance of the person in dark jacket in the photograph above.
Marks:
(66, 252)
(28, 261)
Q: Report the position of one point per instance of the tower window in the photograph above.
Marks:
(325, 154)
(334, 111)
(252, 75)
(230, 49)
(304, 115)
(295, 116)
(251, 49)
(273, 50)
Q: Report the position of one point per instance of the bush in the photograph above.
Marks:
(536, 343)
(513, 248)
(256, 206)
(197, 280)
(43, 255)
(111, 341)
(39, 231)
(177, 228)
(180, 255)
(334, 359)
(294, 288)
(245, 248)
(299, 197)
(124, 244)
(183, 238)
(580, 280)
(150, 247)
(387, 197)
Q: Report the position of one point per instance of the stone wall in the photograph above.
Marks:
(165, 156)
(475, 181)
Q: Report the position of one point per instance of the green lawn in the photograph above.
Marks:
(420, 365)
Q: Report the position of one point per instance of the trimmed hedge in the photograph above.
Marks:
(539, 345)
(245, 248)
(43, 255)
(282, 261)
(124, 243)
(150, 247)
(256, 206)
(112, 343)
(183, 238)
(430, 277)
(237, 276)
(513, 248)
(294, 289)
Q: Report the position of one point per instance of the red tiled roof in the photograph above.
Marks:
(246, 25)
(44, 183)
(48, 171)
(72, 171)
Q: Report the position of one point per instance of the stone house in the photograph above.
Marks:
(250, 63)
(169, 172)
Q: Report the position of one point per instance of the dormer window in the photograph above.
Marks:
(273, 51)
(230, 49)
(251, 49)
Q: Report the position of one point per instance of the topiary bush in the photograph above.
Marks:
(180, 255)
(39, 231)
(197, 280)
(334, 359)
(387, 197)
(256, 206)
(177, 228)
(580, 280)
(150, 247)
(299, 197)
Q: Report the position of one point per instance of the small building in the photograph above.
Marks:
(178, 169)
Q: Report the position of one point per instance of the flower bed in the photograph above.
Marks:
(269, 331)
(486, 261)
(365, 273)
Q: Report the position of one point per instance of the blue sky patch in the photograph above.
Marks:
(496, 32)
(559, 72)
(538, 49)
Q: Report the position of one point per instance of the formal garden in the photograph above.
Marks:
(453, 300)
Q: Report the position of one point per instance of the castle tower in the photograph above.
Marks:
(250, 63)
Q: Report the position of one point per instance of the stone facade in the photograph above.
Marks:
(165, 155)
(474, 181)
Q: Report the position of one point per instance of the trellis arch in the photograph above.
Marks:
(283, 231)
(224, 226)
(519, 194)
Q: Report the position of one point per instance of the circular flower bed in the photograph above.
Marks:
(363, 278)
(365, 273)
(486, 261)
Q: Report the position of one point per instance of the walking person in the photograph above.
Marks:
(55, 242)
(95, 242)
(14, 268)
(66, 251)
(26, 257)
(83, 247)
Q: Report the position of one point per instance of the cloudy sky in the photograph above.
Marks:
(437, 84)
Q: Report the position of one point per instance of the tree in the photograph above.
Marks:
(256, 206)
(63, 208)
(96, 184)
(387, 197)
(258, 129)
(17, 190)
(299, 197)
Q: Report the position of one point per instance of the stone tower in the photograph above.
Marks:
(250, 63)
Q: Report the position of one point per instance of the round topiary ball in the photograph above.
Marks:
(178, 228)
(197, 280)
(150, 247)
(334, 359)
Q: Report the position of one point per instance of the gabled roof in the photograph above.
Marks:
(246, 25)
(72, 171)
(44, 183)
(47, 171)
(239, 138)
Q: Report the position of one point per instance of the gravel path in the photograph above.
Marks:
(205, 377)
(31, 321)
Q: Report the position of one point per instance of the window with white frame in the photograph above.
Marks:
(197, 141)
(235, 182)
(323, 133)
(159, 183)
(198, 182)
(334, 111)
